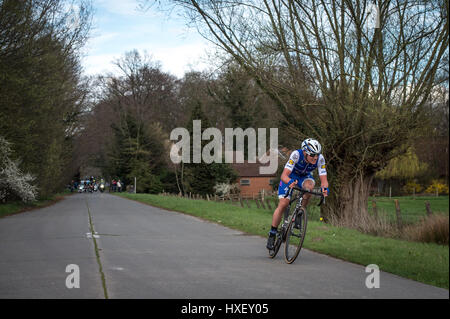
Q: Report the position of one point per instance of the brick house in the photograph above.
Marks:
(251, 182)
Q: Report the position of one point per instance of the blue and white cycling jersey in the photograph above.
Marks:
(299, 167)
(301, 170)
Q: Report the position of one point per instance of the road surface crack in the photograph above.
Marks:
(94, 235)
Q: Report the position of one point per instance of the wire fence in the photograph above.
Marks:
(397, 211)
(408, 210)
(261, 202)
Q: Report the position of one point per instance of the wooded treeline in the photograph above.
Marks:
(310, 68)
(42, 92)
(127, 131)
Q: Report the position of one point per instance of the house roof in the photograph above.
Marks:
(250, 169)
(247, 169)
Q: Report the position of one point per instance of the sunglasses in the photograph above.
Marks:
(314, 155)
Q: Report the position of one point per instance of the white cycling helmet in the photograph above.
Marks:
(311, 146)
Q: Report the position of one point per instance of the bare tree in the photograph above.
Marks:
(353, 74)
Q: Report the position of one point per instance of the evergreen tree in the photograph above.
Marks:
(137, 151)
(200, 178)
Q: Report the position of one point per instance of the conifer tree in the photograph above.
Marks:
(200, 178)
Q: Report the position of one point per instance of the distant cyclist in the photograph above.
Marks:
(297, 171)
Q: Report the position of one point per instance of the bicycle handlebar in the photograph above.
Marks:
(303, 191)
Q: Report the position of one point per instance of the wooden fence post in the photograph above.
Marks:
(262, 204)
(399, 215)
(241, 202)
(428, 208)
(268, 204)
(257, 203)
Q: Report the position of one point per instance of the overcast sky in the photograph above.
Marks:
(120, 27)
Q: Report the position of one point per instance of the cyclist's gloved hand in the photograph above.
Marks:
(325, 191)
(292, 181)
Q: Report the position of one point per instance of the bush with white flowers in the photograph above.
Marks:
(13, 182)
(224, 189)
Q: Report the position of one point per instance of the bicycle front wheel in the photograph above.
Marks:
(295, 236)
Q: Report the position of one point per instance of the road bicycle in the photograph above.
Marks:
(293, 228)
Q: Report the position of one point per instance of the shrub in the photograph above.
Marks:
(441, 188)
(14, 183)
(224, 189)
(412, 187)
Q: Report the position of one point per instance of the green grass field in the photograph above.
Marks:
(427, 263)
(412, 208)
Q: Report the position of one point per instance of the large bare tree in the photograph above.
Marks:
(354, 74)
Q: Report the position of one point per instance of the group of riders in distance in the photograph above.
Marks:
(91, 184)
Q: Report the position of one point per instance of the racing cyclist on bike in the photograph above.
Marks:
(297, 171)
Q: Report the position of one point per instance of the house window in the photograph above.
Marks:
(245, 182)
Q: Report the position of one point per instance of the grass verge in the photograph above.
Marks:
(427, 263)
(17, 207)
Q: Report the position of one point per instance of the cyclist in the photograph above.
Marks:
(297, 171)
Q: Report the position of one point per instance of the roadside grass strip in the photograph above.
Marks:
(18, 207)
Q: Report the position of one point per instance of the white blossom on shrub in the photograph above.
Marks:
(12, 180)
(223, 189)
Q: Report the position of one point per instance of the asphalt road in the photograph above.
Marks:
(124, 249)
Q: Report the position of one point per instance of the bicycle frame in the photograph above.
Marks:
(288, 208)
(299, 197)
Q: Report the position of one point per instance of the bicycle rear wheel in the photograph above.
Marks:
(295, 237)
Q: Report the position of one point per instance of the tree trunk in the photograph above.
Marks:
(348, 202)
